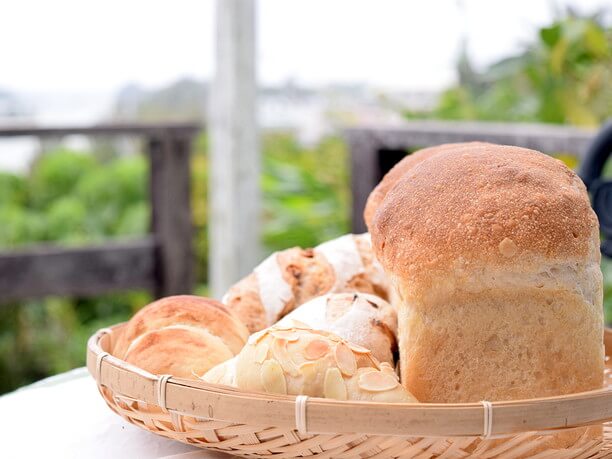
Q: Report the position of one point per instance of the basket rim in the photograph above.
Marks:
(324, 416)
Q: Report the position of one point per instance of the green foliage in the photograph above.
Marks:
(563, 76)
(305, 192)
(12, 189)
(67, 198)
(55, 175)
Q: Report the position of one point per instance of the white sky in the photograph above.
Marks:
(80, 45)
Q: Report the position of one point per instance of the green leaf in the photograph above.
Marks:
(557, 56)
(550, 35)
(595, 40)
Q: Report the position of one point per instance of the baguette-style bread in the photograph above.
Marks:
(296, 360)
(182, 336)
(397, 172)
(360, 318)
(494, 252)
(294, 276)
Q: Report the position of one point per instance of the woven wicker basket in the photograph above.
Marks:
(225, 419)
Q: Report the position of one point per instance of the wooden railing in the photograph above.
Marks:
(374, 149)
(162, 262)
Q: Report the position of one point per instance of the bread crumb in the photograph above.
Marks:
(508, 248)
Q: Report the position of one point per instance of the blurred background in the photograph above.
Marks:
(322, 66)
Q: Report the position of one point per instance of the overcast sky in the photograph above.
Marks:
(80, 45)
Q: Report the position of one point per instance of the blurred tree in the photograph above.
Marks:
(563, 76)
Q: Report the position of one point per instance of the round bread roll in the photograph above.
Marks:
(294, 276)
(397, 172)
(494, 253)
(296, 360)
(363, 319)
(183, 336)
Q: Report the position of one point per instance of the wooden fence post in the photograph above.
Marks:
(171, 213)
(234, 160)
(364, 176)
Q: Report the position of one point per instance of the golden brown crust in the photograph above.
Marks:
(307, 272)
(490, 206)
(189, 310)
(397, 172)
(244, 301)
(183, 352)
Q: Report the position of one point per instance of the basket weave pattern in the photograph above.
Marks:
(217, 424)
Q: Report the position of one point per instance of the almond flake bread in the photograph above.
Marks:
(494, 253)
(360, 318)
(183, 336)
(296, 360)
(289, 278)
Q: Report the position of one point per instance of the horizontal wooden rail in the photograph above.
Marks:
(163, 263)
(543, 137)
(40, 270)
(137, 129)
(375, 149)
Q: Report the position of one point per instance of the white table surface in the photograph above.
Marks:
(65, 417)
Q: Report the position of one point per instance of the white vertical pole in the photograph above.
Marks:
(235, 159)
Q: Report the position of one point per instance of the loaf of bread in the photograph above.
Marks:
(494, 253)
(360, 318)
(183, 336)
(291, 277)
(296, 360)
(397, 172)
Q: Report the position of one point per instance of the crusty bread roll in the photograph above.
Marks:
(397, 172)
(494, 252)
(360, 318)
(183, 336)
(296, 360)
(291, 277)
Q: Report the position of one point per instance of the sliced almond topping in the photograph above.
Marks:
(261, 352)
(333, 386)
(257, 337)
(280, 352)
(309, 375)
(289, 335)
(387, 368)
(358, 349)
(345, 359)
(307, 368)
(371, 361)
(377, 381)
(273, 377)
(299, 325)
(316, 349)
